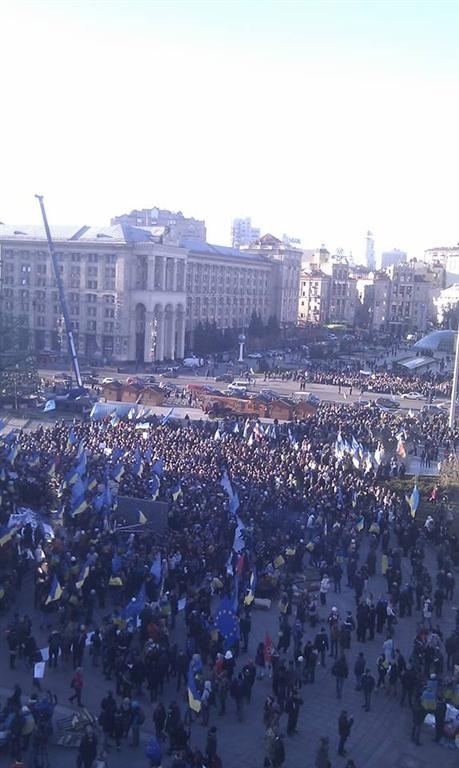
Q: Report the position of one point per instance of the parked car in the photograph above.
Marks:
(412, 396)
(225, 377)
(170, 374)
(387, 404)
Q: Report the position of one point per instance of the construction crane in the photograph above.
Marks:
(61, 294)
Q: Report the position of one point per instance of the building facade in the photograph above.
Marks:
(243, 234)
(178, 224)
(447, 301)
(448, 258)
(343, 295)
(132, 293)
(314, 299)
(285, 262)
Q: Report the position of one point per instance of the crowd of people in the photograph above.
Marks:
(243, 500)
(348, 376)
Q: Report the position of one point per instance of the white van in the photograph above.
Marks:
(191, 362)
(238, 387)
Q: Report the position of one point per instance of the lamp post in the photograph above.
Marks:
(241, 339)
(452, 410)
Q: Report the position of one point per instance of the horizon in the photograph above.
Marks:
(319, 120)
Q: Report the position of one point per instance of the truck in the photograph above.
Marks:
(216, 406)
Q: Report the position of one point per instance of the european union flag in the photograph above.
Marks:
(136, 605)
(227, 622)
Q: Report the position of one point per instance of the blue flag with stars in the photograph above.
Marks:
(227, 622)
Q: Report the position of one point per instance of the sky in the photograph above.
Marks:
(317, 119)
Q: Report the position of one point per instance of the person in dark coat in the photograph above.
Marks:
(440, 716)
(87, 751)
(344, 729)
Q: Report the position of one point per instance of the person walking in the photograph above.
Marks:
(368, 683)
(77, 685)
(340, 670)
(359, 669)
(87, 751)
(322, 754)
(344, 729)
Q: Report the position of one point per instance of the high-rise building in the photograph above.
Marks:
(242, 233)
(180, 225)
(370, 261)
(391, 258)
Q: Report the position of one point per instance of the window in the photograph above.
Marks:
(108, 326)
(93, 258)
(91, 298)
(92, 325)
(92, 311)
(40, 321)
(92, 285)
(109, 312)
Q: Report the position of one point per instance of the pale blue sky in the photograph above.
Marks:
(320, 119)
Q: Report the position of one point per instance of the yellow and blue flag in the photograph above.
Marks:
(136, 605)
(138, 463)
(80, 506)
(176, 490)
(141, 519)
(154, 487)
(118, 472)
(250, 596)
(360, 525)
(83, 575)
(55, 592)
(72, 438)
(414, 500)
(194, 699)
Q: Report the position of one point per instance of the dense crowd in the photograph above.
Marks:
(370, 378)
(300, 503)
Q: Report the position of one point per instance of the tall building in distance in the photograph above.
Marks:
(242, 233)
(177, 223)
(370, 260)
(392, 258)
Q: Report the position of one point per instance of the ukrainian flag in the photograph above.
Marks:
(80, 506)
(138, 463)
(360, 525)
(194, 699)
(279, 561)
(141, 518)
(250, 596)
(6, 534)
(115, 581)
(118, 472)
(154, 487)
(84, 573)
(12, 453)
(176, 491)
(71, 438)
(55, 592)
(414, 500)
(92, 484)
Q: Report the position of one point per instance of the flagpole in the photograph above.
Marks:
(452, 410)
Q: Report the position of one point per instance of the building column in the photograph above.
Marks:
(180, 334)
(163, 273)
(173, 324)
(174, 274)
(151, 272)
(160, 336)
